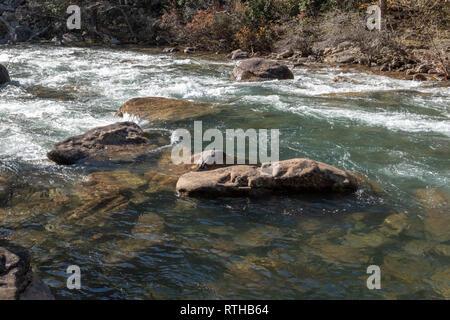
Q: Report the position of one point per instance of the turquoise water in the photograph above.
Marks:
(135, 238)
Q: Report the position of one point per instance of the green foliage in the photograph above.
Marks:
(260, 10)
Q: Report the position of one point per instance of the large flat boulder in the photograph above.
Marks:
(155, 109)
(4, 75)
(17, 280)
(289, 176)
(98, 142)
(257, 69)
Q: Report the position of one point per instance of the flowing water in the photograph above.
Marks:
(134, 237)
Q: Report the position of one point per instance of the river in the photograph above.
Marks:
(142, 244)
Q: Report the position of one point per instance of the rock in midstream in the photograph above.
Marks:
(98, 142)
(289, 176)
(156, 109)
(4, 75)
(257, 69)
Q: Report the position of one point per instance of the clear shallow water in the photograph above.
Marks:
(140, 243)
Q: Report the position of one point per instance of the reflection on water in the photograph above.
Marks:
(133, 237)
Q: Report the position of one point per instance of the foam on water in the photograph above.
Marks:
(102, 80)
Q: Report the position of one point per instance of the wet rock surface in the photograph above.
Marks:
(290, 176)
(4, 75)
(98, 142)
(155, 109)
(256, 69)
(42, 92)
(17, 280)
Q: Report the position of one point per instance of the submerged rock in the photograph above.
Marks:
(50, 93)
(441, 282)
(103, 193)
(320, 245)
(289, 176)
(157, 109)
(436, 204)
(5, 189)
(394, 224)
(255, 69)
(149, 226)
(98, 142)
(160, 182)
(17, 280)
(4, 75)
(406, 268)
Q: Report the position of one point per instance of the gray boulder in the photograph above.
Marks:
(256, 69)
(4, 75)
(96, 142)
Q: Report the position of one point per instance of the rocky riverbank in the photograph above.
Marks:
(333, 38)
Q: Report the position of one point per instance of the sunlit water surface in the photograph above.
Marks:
(142, 244)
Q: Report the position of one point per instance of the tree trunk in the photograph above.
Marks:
(383, 7)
